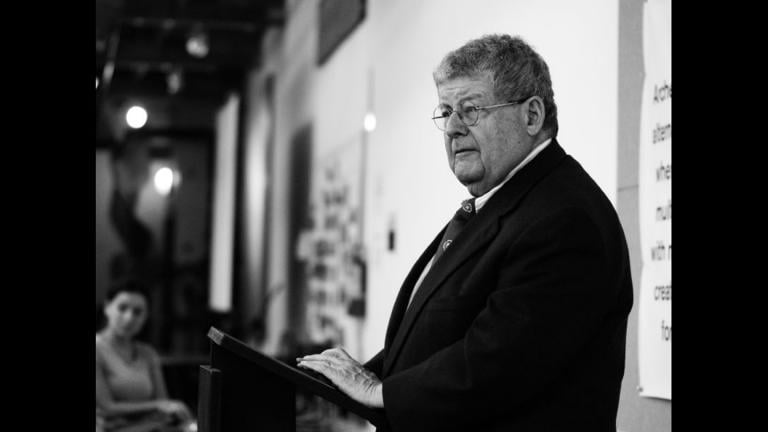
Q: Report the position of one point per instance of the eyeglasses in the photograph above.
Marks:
(469, 115)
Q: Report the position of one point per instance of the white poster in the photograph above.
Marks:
(655, 206)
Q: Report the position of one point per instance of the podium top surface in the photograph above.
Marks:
(300, 378)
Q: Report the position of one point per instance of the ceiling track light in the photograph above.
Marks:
(175, 81)
(197, 43)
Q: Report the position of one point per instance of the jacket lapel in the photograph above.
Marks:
(401, 302)
(479, 231)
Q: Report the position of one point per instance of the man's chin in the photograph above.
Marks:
(468, 177)
(477, 189)
(473, 185)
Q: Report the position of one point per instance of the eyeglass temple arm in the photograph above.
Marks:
(487, 107)
(501, 104)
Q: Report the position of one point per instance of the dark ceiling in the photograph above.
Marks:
(140, 44)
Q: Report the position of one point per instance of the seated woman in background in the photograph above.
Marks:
(130, 388)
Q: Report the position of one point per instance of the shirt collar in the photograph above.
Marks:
(481, 200)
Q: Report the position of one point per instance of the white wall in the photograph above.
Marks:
(408, 181)
(294, 66)
(258, 129)
(223, 212)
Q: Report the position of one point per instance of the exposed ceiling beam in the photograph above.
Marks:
(256, 13)
(212, 92)
(170, 23)
(166, 63)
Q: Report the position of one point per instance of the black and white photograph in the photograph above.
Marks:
(383, 215)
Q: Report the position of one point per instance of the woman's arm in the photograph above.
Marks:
(156, 372)
(170, 406)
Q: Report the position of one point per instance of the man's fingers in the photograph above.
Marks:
(332, 359)
(317, 362)
(337, 353)
(327, 365)
(333, 363)
(321, 359)
(312, 357)
(323, 367)
(316, 366)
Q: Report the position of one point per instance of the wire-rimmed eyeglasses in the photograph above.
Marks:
(469, 114)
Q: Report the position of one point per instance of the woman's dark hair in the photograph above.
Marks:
(129, 285)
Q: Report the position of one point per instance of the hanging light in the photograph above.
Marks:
(369, 122)
(136, 117)
(197, 43)
(164, 180)
(174, 81)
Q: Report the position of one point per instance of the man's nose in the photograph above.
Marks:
(454, 126)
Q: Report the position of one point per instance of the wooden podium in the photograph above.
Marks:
(245, 390)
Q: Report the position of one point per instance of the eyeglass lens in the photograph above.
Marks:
(442, 115)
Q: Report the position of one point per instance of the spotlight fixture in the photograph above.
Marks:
(164, 180)
(174, 81)
(136, 117)
(369, 122)
(197, 43)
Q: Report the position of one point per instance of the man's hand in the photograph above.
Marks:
(349, 376)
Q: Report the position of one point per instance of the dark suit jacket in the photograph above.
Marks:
(521, 325)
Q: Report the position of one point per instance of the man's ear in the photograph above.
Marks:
(534, 115)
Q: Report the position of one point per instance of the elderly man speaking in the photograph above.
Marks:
(514, 318)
